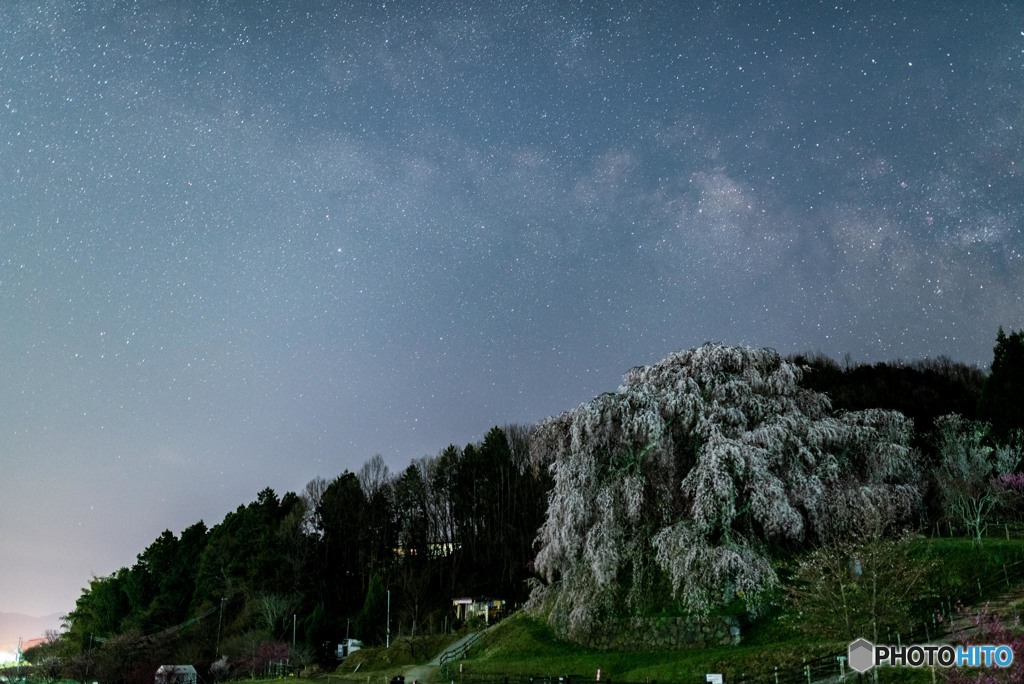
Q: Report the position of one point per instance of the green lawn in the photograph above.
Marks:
(523, 645)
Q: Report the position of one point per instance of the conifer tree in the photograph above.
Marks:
(1001, 403)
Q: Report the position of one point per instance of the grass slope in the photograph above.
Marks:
(375, 664)
(525, 645)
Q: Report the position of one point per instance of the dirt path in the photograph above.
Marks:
(1006, 606)
(420, 674)
(424, 673)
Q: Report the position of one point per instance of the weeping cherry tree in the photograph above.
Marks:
(675, 488)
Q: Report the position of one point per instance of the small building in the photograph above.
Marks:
(348, 647)
(490, 609)
(176, 674)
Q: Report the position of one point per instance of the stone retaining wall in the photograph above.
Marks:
(665, 634)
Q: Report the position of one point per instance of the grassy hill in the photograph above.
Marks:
(523, 645)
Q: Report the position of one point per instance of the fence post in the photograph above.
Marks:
(776, 674)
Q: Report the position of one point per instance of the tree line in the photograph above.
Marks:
(615, 505)
(314, 567)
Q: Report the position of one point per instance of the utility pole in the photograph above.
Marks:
(220, 623)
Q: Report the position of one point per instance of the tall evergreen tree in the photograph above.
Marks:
(445, 527)
(163, 579)
(99, 612)
(372, 621)
(342, 557)
(410, 496)
(1002, 399)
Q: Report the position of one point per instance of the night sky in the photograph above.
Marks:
(245, 244)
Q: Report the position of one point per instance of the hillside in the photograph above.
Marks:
(14, 626)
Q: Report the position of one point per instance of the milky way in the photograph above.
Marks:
(245, 244)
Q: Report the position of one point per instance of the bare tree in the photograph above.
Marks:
(273, 610)
(312, 495)
(968, 465)
(373, 475)
(855, 589)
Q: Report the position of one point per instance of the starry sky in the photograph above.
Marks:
(245, 244)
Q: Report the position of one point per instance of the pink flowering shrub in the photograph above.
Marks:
(1010, 488)
(258, 662)
(985, 627)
